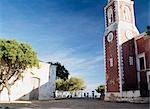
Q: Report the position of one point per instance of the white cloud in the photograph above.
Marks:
(87, 68)
(73, 62)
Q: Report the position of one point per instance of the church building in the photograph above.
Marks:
(126, 53)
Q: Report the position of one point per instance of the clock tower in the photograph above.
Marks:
(119, 28)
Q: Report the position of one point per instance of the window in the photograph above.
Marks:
(111, 62)
(126, 12)
(142, 63)
(130, 60)
(110, 15)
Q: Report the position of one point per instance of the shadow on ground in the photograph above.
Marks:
(73, 104)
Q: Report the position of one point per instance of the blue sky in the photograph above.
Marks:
(67, 31)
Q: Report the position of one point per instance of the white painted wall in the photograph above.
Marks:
(148, 80)
(125, 96)
(22, 88)
(128, 94)
(52, 81)
(47, 83)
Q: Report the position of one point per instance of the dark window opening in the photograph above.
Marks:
(142, 67)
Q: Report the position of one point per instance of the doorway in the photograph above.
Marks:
(34, 94)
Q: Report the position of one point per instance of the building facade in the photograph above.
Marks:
(37, 84)
(126, 53)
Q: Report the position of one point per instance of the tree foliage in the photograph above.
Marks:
(61, 71)
(15, 57)
(148, 30)
(62, 85)
(76, 84)
(100, 89)
(72, 84)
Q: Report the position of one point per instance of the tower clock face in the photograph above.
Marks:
(110, 37)
(129, 34)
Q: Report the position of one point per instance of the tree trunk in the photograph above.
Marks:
(62, 94)
(8, 88)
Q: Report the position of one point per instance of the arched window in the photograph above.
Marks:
(110, 15)
(126, 13)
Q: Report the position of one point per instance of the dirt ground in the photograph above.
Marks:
(72, 104)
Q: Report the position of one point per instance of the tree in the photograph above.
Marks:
(15, 57)
(62, 85)
(76, 84)
(61, 72)
(100, 89)
(71, 85)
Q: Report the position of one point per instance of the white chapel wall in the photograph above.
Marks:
(22, 88)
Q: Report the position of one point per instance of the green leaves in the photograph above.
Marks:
(15, 57)
(62, 85)
(72, 84)
(100, 89)
(61, 71)
(76, 83)
(12, 51)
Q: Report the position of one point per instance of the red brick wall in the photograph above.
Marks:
(112, 75)
(130, 72)
(143, 45)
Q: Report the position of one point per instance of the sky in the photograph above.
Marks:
(68, 31)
